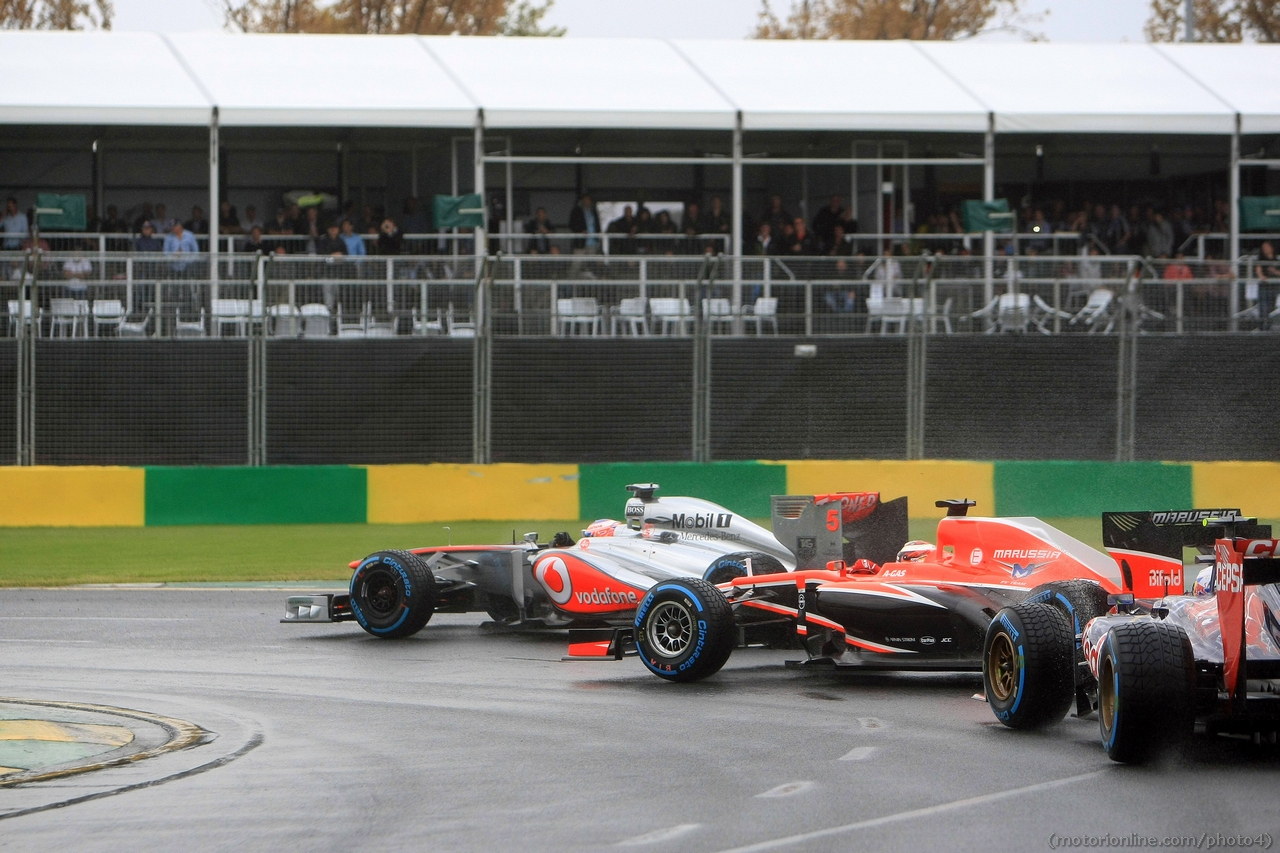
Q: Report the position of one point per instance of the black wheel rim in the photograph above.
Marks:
(381, 593)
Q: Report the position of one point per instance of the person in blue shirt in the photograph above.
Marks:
(180, 240)
(355, 245)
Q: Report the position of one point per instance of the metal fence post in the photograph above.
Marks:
(482, 366)
(702, 359)
(28, 331)
(917, 345)
(1127, 367)
(258, 368)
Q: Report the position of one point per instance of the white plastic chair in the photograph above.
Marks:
(67, 316)
(230, 312)
(13, 316)
(718, 312)
(458, 328)
(889, 311)
(765, 310)
(107, 314)
(1044, 313)
(1098, 313)
(134, 330)
(358, 329)
(378, 328)
(315, 320)
(188, 328)
(578, 314)
(423, 326)
(630, 315)
(668, 313)
(284, 321)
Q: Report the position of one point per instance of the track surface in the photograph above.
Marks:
(465, 740)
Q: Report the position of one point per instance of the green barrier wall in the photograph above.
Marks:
(743, 487)
(1085, 489)
(275, 495)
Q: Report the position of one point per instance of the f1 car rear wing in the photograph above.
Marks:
(1148, 545)
(1239, 562)
(849, 526)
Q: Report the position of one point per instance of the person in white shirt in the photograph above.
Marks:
(74, 272)
(14, 223)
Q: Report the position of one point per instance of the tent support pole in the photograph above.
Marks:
(989, 195)
(1233, 305)
(214, 205)
(737, 220)
(480, 241)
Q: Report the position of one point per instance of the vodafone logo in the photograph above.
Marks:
(554, 577)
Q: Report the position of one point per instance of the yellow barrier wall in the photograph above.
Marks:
(51, 496)
(923, 482)
(506, 491)
(1254, 487)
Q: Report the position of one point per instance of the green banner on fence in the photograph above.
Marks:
(458, 211)
(73, 216)
(987, 216)
(1260, 213)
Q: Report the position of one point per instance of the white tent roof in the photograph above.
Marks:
(833, 85)
(349, 81)
(403, 81)
(95, 78)
(582, 83)
(1246, 76)
(1082, 88)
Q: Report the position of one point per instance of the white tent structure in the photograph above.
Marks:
(220, 80)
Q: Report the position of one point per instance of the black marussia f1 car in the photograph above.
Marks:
(1155, 670)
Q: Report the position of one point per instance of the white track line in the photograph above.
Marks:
(928, 811)
(785, 790)
(858, 753)
(659, 835)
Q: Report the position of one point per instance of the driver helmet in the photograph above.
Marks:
(1204, 582)
(914, 551)
(601, 527)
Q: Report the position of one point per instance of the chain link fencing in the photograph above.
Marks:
(299, 359)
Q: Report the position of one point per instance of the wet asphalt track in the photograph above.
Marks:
(462, 740)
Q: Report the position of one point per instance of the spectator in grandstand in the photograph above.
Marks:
(840, 247)
(1267, 272)
(689, 223)
(75, 270)
(250, 219)
(825, 221)
(540, 226)
(627, 226)
(412, 220)
(197, 224)
(331, 242)
(1178, 270)
(228, 222)
(716, 220)
(162, 222)
(112, 223)
(763, 244)
(281, 225)
(777, 216)
(1159, 235)
(147, 215)
(801, 240)
(1118, 233)
(253, 244)
(644, 225)
(312, 231)
(664, 225)
(148, 242)
(887, 275)
(1039, 225)
(585, 219)
(390, 240)
(14, 224)
(179, 240)
(353, 241)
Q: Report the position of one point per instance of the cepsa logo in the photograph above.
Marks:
(1230, 569)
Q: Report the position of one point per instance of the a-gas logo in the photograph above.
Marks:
(554, 577)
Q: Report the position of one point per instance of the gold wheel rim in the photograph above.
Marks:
(1002, 668)
(1107, 693)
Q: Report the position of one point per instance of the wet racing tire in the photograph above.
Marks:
(1146, 685)
(393, 594)
(1027, 666)
(1080, 601)
(734, 565)
(684, 629)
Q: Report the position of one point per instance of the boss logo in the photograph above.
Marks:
(635, 510)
